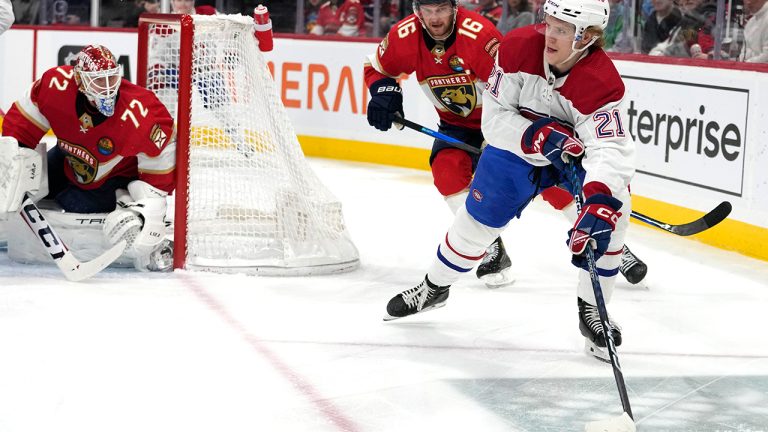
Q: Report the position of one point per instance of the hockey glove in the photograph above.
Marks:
(549, 138)
(139, 219)
(593, 228)
(386, 102)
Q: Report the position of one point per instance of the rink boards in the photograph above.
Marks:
(699, 130)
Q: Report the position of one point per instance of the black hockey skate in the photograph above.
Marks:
(425, 296)
(632, 267)
(592, 329)
(495, 269)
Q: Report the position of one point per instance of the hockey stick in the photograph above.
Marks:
(714, 217)
(624, 422)
(73, 269)
(435, 134)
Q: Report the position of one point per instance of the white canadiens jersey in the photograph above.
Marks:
(589, 100)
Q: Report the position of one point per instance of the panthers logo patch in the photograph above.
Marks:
(455, 92)
(84, 165)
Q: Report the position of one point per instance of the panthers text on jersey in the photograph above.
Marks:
(452, 73)
(136, 142)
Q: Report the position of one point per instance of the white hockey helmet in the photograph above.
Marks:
(98, 77)
(580, 13)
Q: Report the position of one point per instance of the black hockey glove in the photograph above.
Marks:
(386, 102)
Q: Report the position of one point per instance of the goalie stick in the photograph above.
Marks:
(624, 422)
(714, 217)
(73, 269)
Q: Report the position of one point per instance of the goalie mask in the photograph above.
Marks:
(436, 15)
(98, 77)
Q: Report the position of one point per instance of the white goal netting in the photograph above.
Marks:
(252, 203)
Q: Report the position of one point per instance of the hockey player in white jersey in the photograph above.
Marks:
(554, 97)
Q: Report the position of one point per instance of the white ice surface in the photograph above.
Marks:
(227, 353)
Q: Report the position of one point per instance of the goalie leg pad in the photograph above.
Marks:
(82, 233)
(21, 171)
(139, 219)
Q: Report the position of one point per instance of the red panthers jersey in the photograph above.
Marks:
(452, 74)
(136, 142)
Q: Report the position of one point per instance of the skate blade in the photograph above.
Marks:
(388, 317)
(498, 280)
(596, 351)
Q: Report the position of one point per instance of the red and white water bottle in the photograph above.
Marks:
(263, 26)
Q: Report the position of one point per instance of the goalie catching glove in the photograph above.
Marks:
(21, 171)
(548, 138)
(139, 219)
(593, 227)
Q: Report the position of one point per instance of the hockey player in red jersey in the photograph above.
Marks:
(112, 136)
(553, 97)
(451, 50)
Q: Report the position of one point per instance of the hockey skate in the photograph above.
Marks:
(632, 267)
(592, 329)
(160, 260)
(495, 270)
(425, 296)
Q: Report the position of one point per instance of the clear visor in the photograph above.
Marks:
(443, 10)
(555, 28)
(102, 84)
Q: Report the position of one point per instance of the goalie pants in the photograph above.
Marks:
(503, 186)
(74, 199)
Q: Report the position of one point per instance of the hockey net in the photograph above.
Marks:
(246, 198)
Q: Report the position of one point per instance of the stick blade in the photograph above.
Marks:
(622, 423)
(714, 217)
(76, 271)
(718, 214)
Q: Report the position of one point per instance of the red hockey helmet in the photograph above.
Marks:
(98, 76)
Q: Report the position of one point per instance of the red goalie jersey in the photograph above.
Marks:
(452, 74)
(137, 141)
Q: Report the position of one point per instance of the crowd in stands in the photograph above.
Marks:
(678, 28)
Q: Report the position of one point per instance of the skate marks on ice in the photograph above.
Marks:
(660, 404)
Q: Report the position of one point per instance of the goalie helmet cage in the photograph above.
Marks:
(246, 199)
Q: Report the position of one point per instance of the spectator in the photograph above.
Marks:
(390, 12)
(345, 19)
(144, 6)
(26, 11)
(518, 15)
(6, 15)
(490, 10)
(698, 19)
(663, 19)
(755, 48)
(183, 6)
(615, 23)
(311, 10)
